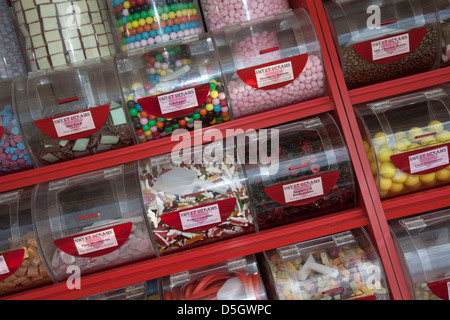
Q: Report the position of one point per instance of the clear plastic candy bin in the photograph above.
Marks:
(423, 245)
(407, 139)
(443, 10)
(235, 279)
(383, 40)
(173, 86)
(21, 264)
(92, 221)
(342, 266)
(139, 23)
(271, 62)
(311, 176)
(195, 198)
(72, 112)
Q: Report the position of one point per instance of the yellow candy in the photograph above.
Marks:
(135, 24)
(427, 140)
(428, 178)
(403, 144)
(385, 183)
(366, 146)
(126, 5)
(374, 168)
(164, 16)
(383, 193)
(214, 94)
(400, 135)
(412, 181)
(443, 136)
(399, 177)
(379, 138)
(209, 107)
(415, 132)
(387, 170)
(384, 155)
(142, 22)
(149, 20)
(435, 126)
(172, 15)
(371, 155)
(179, 13)
(443, 175)
(413, 146)
(396, 187)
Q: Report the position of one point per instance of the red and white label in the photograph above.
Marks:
(3, 266)
(95, 241)
(429, 159)
(177, 101)
(203, 216)
(274, 74)
(74, 123)
(389, 47)
(303, 190)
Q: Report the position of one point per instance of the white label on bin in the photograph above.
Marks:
(95, 241)
(303, 190)
(200, 217)
(274, 74)
(177, 101)
(3, 266)
(429, 160)
(389, 47)
(74, 123)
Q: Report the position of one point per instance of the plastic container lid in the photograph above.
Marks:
(14, 157)
(342, 266)
(407, 140)
(72, 112)
(91, 221)
(196, 198)
(443, 10)
(173, 86)
(308, 172)
(139, 23)
(423, 245)
(271, 62)
(21, 266)
(63, 32)
(12, 63)
(220, 13)
(235, 279)
(132, 292)
(383, 41)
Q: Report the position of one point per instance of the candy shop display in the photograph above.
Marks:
(235, 279)
(195, 198)
(407, 140)
(382, 41)
(342, 266)
(443, 10)
(271, 62)
(132, 292)
(220, 13)
(423, 246)
(310, 174)
(173, 86)
(12, 63)
(60, 32)
(14, 156)
(72, 112)
(140, 23)
(91, 221)
(21, 266)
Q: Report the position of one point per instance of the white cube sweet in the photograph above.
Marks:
(47, 10)
(50, 23)
(52, 35)
(58, 59)
(31, 15)
(55, 47)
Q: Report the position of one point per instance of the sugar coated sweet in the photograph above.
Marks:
(219, 13)
(141, 23)
(13, 154)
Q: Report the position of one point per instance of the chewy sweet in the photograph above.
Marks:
(57, 33)
(141, 23)
(220, 13)
(247, 100)
(392, 181)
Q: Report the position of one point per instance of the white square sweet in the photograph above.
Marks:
(56, 1)
(31, 15)
(76, 55)
(64, 8)
(52, 35)
(85, 18)
(102, 39)
(58, 59)
(24, 30)
(38, 41)
(89, 41)
(99, 28)
(43, 63)
(69, 33)
(35, 28)
(87, 30)
(20, 17)
(72, 44)
(47, 10)
(40, 52)
(104, 51)
(96, 18)
(82, 4)
(55, 47)
(91, 53)
(50, 23)
(93, 6)
(38, 2)
(27, 4)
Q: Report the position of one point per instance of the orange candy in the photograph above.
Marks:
(182, 122)
(159, 124)
(203, 111)
(155, 26)
(147, 27)
(170, 22)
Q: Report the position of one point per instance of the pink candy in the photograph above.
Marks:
(219, 13)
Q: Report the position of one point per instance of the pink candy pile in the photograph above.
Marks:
(219, 13)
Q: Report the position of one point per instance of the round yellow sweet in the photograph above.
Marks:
(399, 177)
(371, 155)
(413, 133)
(383, 193)
(413, 146)
(443, 175)
(443, 136)
(428, 178)
(400, 135)
(387, 170)
(384, 155)
(374, 168)
(379, 138)
(435, 126)
(385, 183)
(427, 140)
(366, 146)
(396, 187)
(412, 181)
(403, 144)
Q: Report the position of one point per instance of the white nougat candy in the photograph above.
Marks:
(52, 35)
(31, 15)
(91, 53)
(35, 28)
(50, 23)
(118, 116)
(43, 63)
(58, 59)
(47, 10)
(55, 47)
(73, 44)
(38, 41)
(40, 52)
(89, 41)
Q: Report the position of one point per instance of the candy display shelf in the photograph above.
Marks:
(370, 212)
